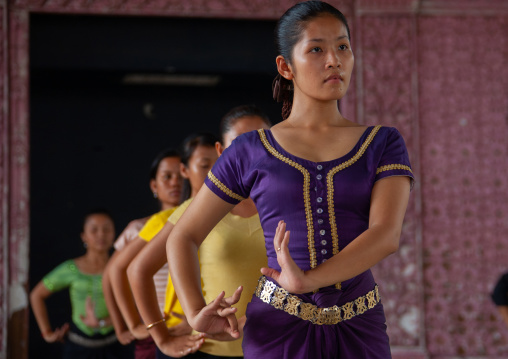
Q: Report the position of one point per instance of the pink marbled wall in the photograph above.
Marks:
(463, 119)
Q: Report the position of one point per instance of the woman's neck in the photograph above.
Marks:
(92, 262)
(308, 112)
(165, 206)
(96, 257)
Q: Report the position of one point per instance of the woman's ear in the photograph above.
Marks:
(219, 148)
(153, 186)
(183, 171)
(284, 68)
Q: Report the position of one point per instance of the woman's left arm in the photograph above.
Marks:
(389, 201)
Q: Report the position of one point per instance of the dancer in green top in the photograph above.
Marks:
(90, 334)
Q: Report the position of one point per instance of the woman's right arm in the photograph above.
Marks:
(140, 273)
(121, 289)
(122, 331)
(37, 301)
(205, 211)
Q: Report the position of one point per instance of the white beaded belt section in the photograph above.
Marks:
(279, 298)
(91, 343)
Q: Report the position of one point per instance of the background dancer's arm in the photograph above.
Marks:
(205, 211)
(122, 331)
(37, 300)
(389, 201)
(173, 341)
(122, 290)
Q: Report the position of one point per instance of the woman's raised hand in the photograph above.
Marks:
(219, 316)
(291, 277)
(225, 336)
(89, 319)
(56, 335)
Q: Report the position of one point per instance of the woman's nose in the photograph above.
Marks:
(333, 59)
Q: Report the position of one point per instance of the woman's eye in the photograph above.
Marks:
(315, 49)
(343, 47)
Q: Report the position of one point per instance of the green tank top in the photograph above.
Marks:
(81, 286)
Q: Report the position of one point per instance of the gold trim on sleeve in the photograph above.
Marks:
(306, 194)
(223, 187)
(329, 184)
(393, 167)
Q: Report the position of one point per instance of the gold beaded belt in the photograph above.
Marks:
(91, 343)
(279, 298)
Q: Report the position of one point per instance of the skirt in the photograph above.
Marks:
(345, 324)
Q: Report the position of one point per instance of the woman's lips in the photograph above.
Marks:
(333, 78)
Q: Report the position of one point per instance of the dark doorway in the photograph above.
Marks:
(107, 94)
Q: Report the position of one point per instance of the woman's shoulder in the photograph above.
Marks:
(387, 130)
(248, 138)
(246, 148)
(383, 134)
(136, 224)
(68, 266)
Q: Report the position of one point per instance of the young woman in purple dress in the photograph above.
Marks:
(331, 196)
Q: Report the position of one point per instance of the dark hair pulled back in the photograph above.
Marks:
(236, 113)
(189, 145)
(168, 152)
(288, 32)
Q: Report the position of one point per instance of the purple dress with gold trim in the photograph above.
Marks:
(325, 206)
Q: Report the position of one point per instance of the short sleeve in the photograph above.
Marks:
(395, 159)
(225, 178)
(155, 224)
(500, 293)
(129, 233)
(61, 277)
(175, 216)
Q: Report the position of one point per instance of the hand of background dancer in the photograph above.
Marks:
(225, 336)
(56, 335)
(177, 347)
(180, 329)
(218, 316)
(125, 337)
(89, 319)
(291, 277)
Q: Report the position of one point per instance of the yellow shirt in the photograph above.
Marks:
(155, 224)
(163, 285)
(230, 256)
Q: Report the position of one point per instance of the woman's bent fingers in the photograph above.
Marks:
(281, 239)
(233, 327)
(279, 235)
(235, 297)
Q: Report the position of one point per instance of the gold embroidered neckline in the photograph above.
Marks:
(297, 158)
(306, 194)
